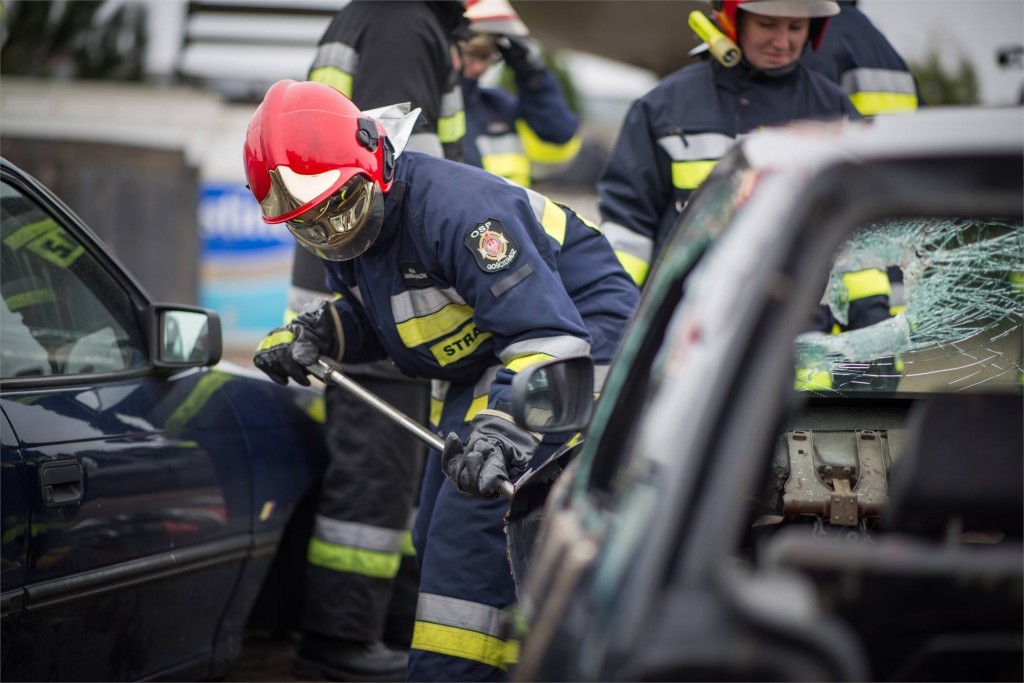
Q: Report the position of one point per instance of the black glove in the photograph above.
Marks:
(288, 351)
(523, 55)
(495, 451)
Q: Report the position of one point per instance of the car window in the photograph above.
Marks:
(951, 321)
(706, 217)
(62, 313)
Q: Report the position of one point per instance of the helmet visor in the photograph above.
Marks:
(345, 224)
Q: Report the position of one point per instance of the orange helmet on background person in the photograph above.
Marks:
(818, 11)
(319, 165)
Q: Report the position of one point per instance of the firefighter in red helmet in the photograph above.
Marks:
(458, 276)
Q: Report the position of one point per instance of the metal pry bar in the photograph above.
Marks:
(328, 370)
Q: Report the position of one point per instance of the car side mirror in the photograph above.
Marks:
(184, 336)
(554, 396)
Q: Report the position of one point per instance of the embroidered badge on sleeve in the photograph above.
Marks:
(491, 247)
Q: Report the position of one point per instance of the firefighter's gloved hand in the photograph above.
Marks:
(495, 451)
(523, 55)
(288, 351)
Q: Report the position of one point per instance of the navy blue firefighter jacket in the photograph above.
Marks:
(673, 136)
(470, 271)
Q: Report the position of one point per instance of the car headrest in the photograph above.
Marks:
(963, 461)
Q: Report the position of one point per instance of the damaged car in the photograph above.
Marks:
(758, 498)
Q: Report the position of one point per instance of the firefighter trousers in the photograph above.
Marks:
(361, 574)
(463, 626)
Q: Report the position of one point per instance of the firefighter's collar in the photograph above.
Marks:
(398, 120)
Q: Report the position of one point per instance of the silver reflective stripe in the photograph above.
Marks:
(628, 241)
(439, 389)
(356, 535)
(878, 80)
(356, 294)
(416, 303)
(483, 385)
(427, 143)
(300, 297)
(463, 614)
(600, 375)
(538, 202)
(508, 143)
(556, 347)
(451, 102)
(696, 147)
(338, 55)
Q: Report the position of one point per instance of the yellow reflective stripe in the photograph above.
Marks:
(276, 338)
(545, 152)
(317, 410)
(459, 642)
(459, 345)
(436, 407)
(197, 398)
(479, 403)
(553, 221)
(334, 77)
(36, 296)
(812, 380)
(895, 310)
(29, 232)
(342, 558)
(865, 283)
(408, 549)
(519, 363)
(635, 267)
(452, 128)
(289, 314)
(515, 167)
(416, 331)
(688, 175)
(872, 103)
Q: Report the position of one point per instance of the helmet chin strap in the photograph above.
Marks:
(398, 122)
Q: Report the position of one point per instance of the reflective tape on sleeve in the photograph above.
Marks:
(561, 346)
(865, 283)
(547, 153)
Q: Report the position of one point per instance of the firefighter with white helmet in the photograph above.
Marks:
(672, 136)
(458, 276)
(524, 137)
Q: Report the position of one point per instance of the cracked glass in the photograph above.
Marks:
(955, 311)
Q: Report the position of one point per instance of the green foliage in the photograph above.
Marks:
(74, 39)
(940, 86)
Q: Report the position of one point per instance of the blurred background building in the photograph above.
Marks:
(134, 112)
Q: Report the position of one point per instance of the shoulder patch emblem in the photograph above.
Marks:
(491, 247)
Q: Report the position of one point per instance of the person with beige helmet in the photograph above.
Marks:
(672, 136)
(524, 137)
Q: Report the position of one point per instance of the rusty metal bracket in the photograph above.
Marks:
(834, 496)
(804, 493)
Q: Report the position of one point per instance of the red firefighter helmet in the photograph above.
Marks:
(320, 166)
(818, 11)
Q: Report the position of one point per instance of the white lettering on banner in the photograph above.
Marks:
(228, 214)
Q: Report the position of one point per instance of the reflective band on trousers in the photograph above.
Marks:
(459, 628)
(356, 548)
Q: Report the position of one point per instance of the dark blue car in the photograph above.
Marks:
(146, 488)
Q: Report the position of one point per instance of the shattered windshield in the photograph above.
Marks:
(919, 305)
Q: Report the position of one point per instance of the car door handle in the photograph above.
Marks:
(61, 482)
